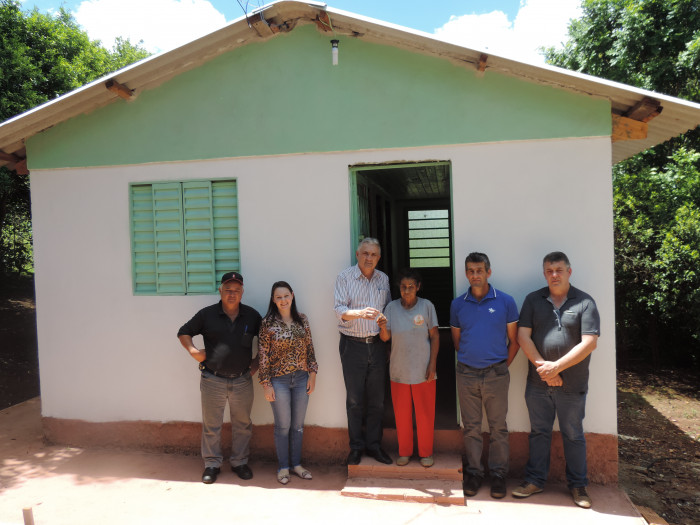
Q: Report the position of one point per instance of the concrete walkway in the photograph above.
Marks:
(76, 486)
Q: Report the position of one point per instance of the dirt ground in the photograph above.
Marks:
(19, 362)
(658, 423)
(659, 442)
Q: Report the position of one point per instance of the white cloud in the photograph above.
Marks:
(161, 24)
(539, 23)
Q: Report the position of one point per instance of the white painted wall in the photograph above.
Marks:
(107, 355)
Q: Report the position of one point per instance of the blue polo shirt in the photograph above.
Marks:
(483, 339)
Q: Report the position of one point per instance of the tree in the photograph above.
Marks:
(657, 264)
(42, 56)
(653, 44)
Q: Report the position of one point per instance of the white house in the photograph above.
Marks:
(248, 150)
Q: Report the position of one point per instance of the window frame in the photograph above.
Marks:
(188, 227)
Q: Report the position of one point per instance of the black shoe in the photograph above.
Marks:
(210, 474)
(471, 485)
(380, 456)
(354, 457)
(498, 487)
(243, 471)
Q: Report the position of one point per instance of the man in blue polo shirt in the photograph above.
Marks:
(484, 325)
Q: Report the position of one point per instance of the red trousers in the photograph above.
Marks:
(404, 398)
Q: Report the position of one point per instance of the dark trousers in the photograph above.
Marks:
(364, 370)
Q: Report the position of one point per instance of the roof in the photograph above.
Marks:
(641, 118)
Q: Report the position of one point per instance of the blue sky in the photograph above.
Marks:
(513, 28)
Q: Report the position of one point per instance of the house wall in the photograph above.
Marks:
(107, 355)
(530, 174)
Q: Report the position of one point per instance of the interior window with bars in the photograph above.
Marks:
(429, 238)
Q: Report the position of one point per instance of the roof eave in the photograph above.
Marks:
(678, 115)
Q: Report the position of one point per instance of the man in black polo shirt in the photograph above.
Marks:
(229, 329)
(558, 329)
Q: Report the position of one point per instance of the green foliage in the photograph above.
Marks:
(42, 56)
(15, 223)
(657, 257)
(678, 265)
(652, 44)
(124, 53)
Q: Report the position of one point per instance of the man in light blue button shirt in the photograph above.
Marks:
(361, 294)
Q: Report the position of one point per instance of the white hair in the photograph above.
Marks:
(369, 240)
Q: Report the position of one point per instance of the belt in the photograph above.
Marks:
(366, 340)
(204, 368)
(486, 367)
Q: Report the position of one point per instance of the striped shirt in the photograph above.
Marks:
(353, 291)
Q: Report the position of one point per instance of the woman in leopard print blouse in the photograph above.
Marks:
(288, 375)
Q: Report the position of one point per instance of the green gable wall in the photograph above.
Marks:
(284, 96)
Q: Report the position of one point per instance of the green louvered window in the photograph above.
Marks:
(184, 236)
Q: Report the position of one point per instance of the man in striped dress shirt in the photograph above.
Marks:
(361, 293)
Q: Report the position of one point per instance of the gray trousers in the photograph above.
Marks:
(216, 392)
(487, 387)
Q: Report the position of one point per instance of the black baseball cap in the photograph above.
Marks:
(231, 276)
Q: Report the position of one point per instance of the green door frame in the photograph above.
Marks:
(354, 214)
(355, 219)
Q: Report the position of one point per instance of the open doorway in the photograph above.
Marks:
(408, 208)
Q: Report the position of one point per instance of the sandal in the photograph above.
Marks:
(283, 476)
(302, 472)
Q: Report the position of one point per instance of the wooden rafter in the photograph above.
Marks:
(644, 110)
(323, 22)
(624, 128)
(21, 167)
(16, 163)
(120, 89)
(633, 124)
(9, 157)
(262, 28)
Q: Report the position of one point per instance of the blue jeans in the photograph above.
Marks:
(543, 403)
(289, 409)
(487, 387)
(364, 371)
(216, 391)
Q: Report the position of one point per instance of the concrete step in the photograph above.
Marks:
(445, 492)
(441, 483)
(447, 467)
